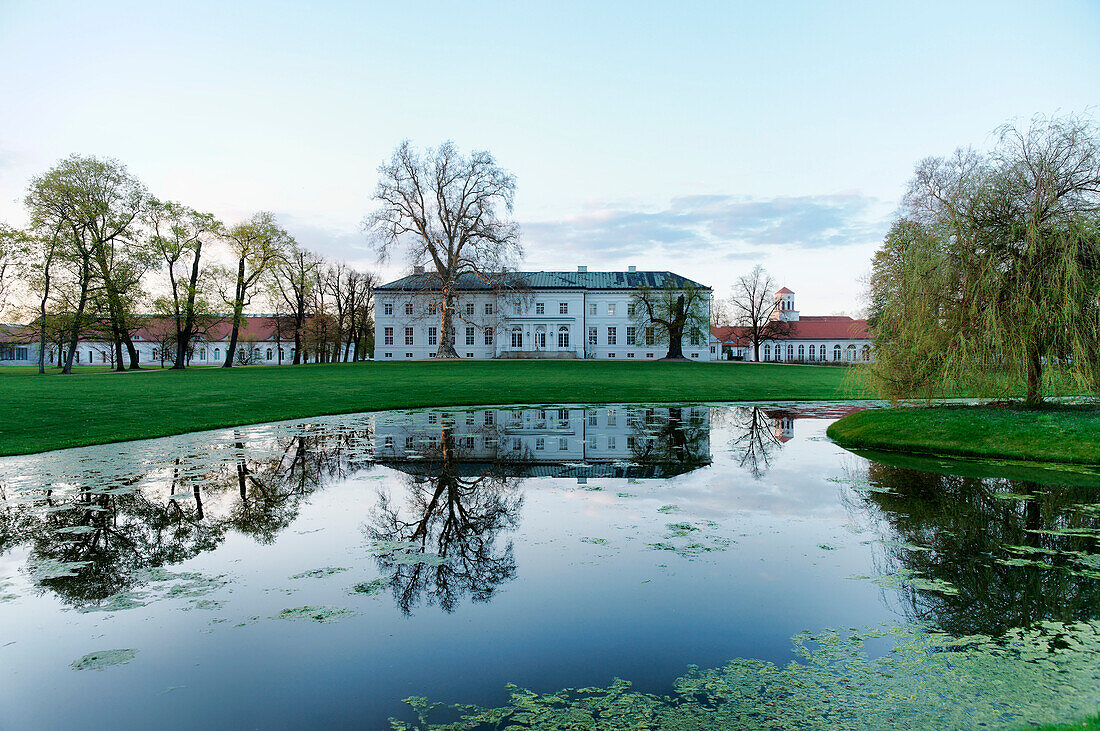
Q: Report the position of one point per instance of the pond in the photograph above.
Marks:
(688, 566)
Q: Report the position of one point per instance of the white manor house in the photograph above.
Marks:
(579, 314)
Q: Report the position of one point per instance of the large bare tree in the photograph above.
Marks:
(756, 309)
(449, 213)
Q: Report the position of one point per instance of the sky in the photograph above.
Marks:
(704, 138)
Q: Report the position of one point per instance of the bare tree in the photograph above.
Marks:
(447, 211)
(293, 278)
(756, 309)
(676, 307)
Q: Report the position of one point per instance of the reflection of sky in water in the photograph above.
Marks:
(613, 577)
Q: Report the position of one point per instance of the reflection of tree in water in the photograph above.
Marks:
(755, 440)
(674, 436)
(968, 529)
(114, 536)
(450, 522)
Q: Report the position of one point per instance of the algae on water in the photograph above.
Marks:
(102, 659)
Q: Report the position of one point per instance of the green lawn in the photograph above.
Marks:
(55, 411)
(1054, 434)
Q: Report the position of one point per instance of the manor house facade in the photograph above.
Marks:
(579, 314)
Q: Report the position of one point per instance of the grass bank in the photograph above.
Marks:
(1064, 434)
(54, 411)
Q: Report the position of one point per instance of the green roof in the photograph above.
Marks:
(550, 280)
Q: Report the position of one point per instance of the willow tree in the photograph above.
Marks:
(991, 276)
(448, 213)
(676, 308)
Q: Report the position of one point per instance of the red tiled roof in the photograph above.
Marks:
(259, 327)
(785, 291)
(830, 327)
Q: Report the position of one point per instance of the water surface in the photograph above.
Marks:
(321, 571)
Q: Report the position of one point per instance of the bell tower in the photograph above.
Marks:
(785, 310)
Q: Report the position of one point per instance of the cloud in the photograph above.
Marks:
(727, 227)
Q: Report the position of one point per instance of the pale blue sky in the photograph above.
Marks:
(702, 137)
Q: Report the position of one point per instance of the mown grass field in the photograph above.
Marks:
(54, 411)
(1069, 434)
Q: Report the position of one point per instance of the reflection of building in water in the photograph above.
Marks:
(558, 442)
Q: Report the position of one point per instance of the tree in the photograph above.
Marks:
(993, 268)
(676, 307)
(257, 245)
(293, 277)
(756, 309)
(447, 211)
(177, 236)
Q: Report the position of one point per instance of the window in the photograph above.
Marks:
(822, 357)
(433, 336)
(767, 351)
(469, 355)
(631, 336)
(540, 443)
(851, 354)
(217, 354)
(408, 336)
(630, 310)
(488, 337)
(540, 308)
(650, 335)
(469, 336)
(154, 353)
(389, 355)
(540, 339)
(592, 309)
(563, 443)
(611, 308)
(517, 338)
(612, 418)
(408, 442)
(469, 308)
(593, 419)
(408, 308)
(431, 308)
(813, 355)
(802, 352)
(269, 353)
(408, 355)
(517, 444)
(563, 308)
(489, 418)
(610, 336)
(649, 355)
(694, 355)
(563, 337)
(611, 442)
(563, 415)
(433, 418)
(515, 308)
(629, 355)
(388, 308)
(695, 336)
(836, 353)
(866, 353)
(790, 352)
(387, 338)
(610, 355)
(593, 336)
(488, 308)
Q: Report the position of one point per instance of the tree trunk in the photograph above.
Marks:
(676, 331)
(446, 347)
(184, 335)
(74, 338)
(1034, 395)
(238, 308)
(42, 314)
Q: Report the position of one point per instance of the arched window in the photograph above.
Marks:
(217, 354)
(563, 337)
(801, 352)
(767, 351)
(517, 338)
(790, 352)
(836, 353)
(822, 356)
(813, 355)
(866, 353)
(269, 354)
(850, 356)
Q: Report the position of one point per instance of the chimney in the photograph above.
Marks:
(418, 269)
(632, 269)
(582, 269)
